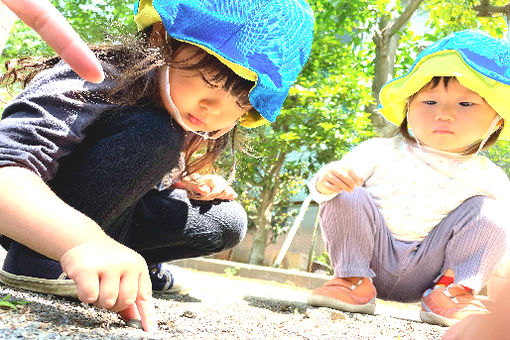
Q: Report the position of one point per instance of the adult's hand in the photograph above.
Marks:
(56, 31)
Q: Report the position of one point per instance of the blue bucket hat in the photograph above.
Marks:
(478, 61)
(265, 41)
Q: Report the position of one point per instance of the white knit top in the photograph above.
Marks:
(415, 189)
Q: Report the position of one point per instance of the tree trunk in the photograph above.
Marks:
(7, 19)
(386, 40)
(265, 213)
(258, 249)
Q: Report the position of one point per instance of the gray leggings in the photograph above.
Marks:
(471, 240)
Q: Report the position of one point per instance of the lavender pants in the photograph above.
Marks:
(471, 240)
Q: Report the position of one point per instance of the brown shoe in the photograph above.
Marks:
(349, 294)
(447, 305)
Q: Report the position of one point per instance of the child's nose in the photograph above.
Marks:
(445, 112)
(211, 106)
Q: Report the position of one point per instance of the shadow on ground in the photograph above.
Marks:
(176, 297)
(275, 305)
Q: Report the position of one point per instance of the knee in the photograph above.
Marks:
(350, 201)
(495, 218)
(231, 223)
(489, 218)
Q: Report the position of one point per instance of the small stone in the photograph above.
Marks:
(134, 323)
(189, 314)
(337, 316)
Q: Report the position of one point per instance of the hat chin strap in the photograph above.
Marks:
(164, 80)
(489, 132)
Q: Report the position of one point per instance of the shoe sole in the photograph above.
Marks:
(65, 288)
(324, 301)
(173, 290)
(435, 319)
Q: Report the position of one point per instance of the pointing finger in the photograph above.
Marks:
(56, 31)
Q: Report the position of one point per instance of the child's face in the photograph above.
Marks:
(202, 104)
(449, 118)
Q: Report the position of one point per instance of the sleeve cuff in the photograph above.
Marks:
(316, 195)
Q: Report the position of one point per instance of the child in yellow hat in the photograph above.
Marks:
(80, 163)
(422, 215)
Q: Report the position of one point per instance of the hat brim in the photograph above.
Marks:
(394, 95)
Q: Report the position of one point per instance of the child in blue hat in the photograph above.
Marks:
(80, 163)
(422, 215)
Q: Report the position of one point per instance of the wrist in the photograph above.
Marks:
(93, 237)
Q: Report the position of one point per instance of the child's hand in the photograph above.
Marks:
(206, 187)
(336, 180)
(112, 276)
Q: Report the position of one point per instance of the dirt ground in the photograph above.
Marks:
(215, 307)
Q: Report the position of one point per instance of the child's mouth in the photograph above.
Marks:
(194, 120)
(443, 132)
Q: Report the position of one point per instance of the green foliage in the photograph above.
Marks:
(7, 302)
(324, 261)
(232, 271)
(499, 153)
(23, 41)
(452, 16)
(96, 20)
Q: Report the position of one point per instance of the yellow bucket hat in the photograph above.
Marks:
(478, 61)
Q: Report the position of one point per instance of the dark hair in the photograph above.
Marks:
(473, 148)
(135, 83)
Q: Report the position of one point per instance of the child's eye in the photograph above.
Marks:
(430, 102)
(208, 83)
(465, 103)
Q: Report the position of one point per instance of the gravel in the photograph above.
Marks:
(215, 307)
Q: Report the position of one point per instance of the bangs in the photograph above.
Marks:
(434, 82)
(218, 73)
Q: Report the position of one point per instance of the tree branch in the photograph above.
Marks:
(485, 9)
(276, 172)
(403, 18)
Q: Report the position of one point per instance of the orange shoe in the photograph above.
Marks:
(349, 294)
(447, 305)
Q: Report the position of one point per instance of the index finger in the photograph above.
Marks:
(145, 304)
(355, 178)
(56, 31)
(217, 184)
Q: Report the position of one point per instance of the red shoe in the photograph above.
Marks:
(447, 305)
(349, 294)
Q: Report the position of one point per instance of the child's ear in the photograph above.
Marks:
(499, 123)
(158, 34)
